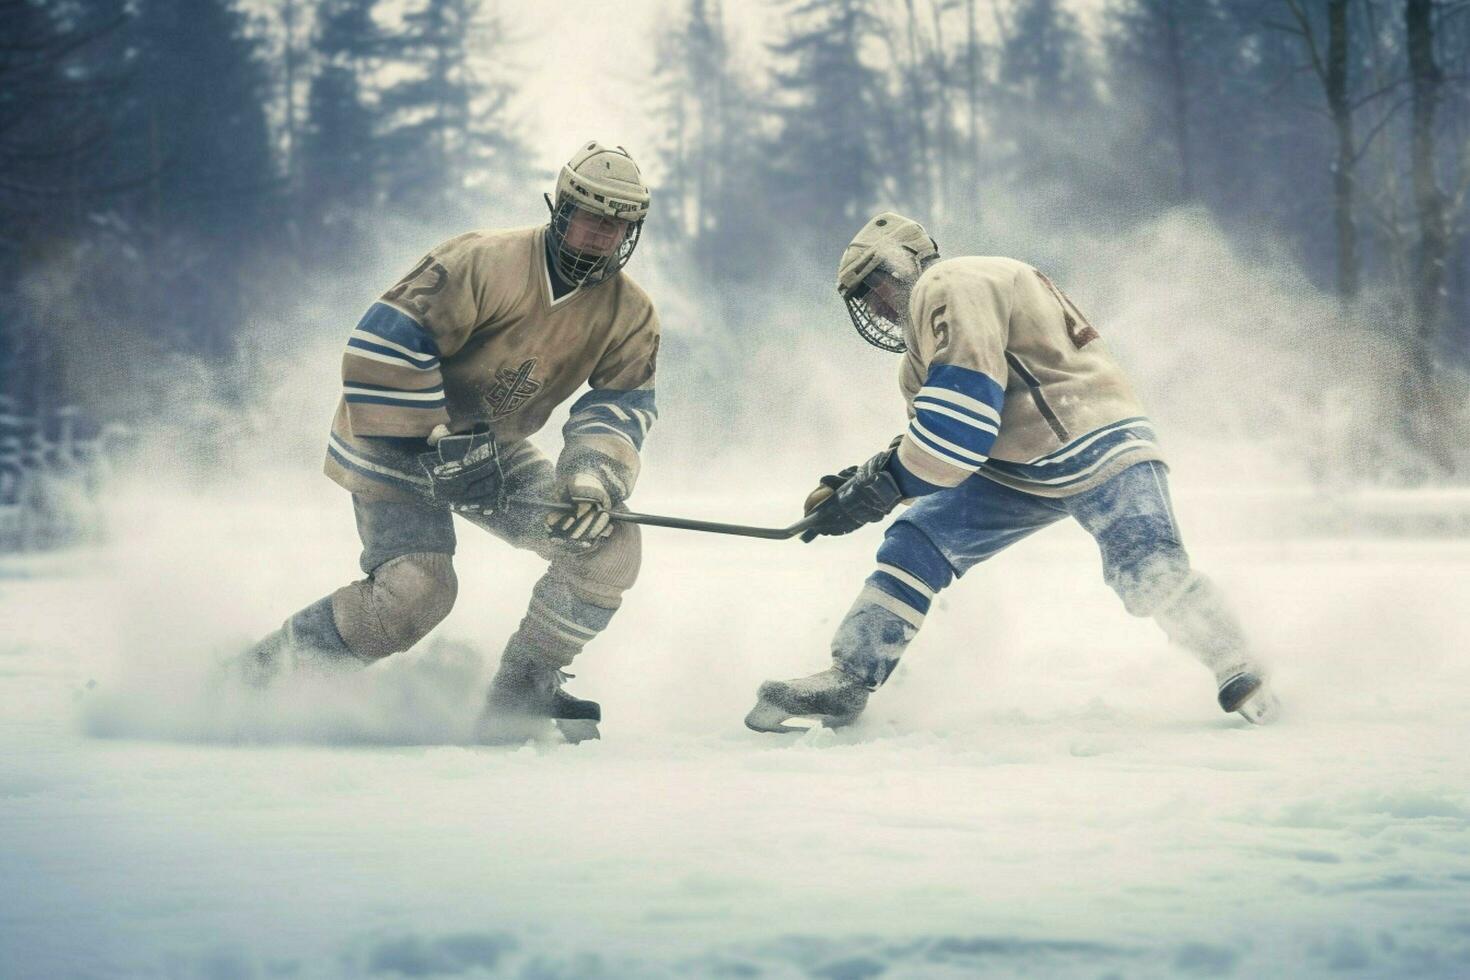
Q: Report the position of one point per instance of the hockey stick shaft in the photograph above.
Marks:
(681, 523)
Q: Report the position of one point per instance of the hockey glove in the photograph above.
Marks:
(858, 495)
(464, 473)
(592, 485)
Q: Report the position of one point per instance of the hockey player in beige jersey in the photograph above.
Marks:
(443, 380)
(1018, 417)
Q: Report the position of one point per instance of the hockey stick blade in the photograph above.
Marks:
(681, 523)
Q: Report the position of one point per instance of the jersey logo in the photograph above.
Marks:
(511, 389)
(427, 279)
(1087, 333)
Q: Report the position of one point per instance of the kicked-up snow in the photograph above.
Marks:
(1045, 788)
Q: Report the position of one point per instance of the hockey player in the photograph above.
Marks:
(1018, 417)
(444, 378)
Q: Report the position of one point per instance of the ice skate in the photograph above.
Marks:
(1248, 694)
(527, 694)
(832, 698)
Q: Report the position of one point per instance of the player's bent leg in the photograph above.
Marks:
(396, 606)
(308, 638)
(892, 605)
(572, 603)
(869, 641)
(387, 612)
(1145, 562)
(407, 558)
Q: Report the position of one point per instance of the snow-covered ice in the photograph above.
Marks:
(1045, 789)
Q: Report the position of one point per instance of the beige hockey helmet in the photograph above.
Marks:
(889, 246)
(604, 180)
(604, 186)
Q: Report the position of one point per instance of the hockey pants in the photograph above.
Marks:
(945, 534)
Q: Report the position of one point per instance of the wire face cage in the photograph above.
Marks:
(877, 329)
(589, 266)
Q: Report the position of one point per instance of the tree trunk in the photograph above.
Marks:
(1179, 87)
(1426, 411)
(1344, 177)
(1429, 201)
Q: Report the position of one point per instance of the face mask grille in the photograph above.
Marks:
(587, 267)
(874, 327)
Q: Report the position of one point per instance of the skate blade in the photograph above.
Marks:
(769, 718)
(1261, 708)
(576, 730)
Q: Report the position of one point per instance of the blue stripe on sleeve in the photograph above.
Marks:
(395, 402)
(944, 452)
(382, 320)
(629, 413)
(922, 401)
(976, 384)
(371, 387)
(423, 365)
(973, 438)
(640, 398)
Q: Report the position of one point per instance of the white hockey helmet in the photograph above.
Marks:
(606, 183)
(888, 248)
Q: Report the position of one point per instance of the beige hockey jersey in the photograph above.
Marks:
(475, 335)
(1005, 377)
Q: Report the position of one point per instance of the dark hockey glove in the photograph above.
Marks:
(464, 473)
(856, 496)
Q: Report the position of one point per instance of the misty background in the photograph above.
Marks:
(1262, 204)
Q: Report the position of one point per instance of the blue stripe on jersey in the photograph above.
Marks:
(976, 384)
(395, 402)
(628, 413)
(963, 434)
(944, 452)
(943, 406)
(365, 345)
(1082, 457)
(371, 387)
(903, 592)
(381, 477)
(1095, 433)
(382, 320)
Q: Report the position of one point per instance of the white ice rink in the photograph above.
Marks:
(1045, 789)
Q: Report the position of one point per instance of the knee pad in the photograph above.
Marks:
(397, 605)
(602, 575)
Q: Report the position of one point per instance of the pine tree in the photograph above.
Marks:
(837, 147)
(339, 155)
(446, 130)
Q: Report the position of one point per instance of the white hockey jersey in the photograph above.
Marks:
(1006, 378)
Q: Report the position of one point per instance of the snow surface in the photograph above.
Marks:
(1045, 788)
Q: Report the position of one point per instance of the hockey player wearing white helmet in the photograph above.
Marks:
(1018, 418)
(443, 380)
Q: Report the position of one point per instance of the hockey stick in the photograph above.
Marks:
(683, 523)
